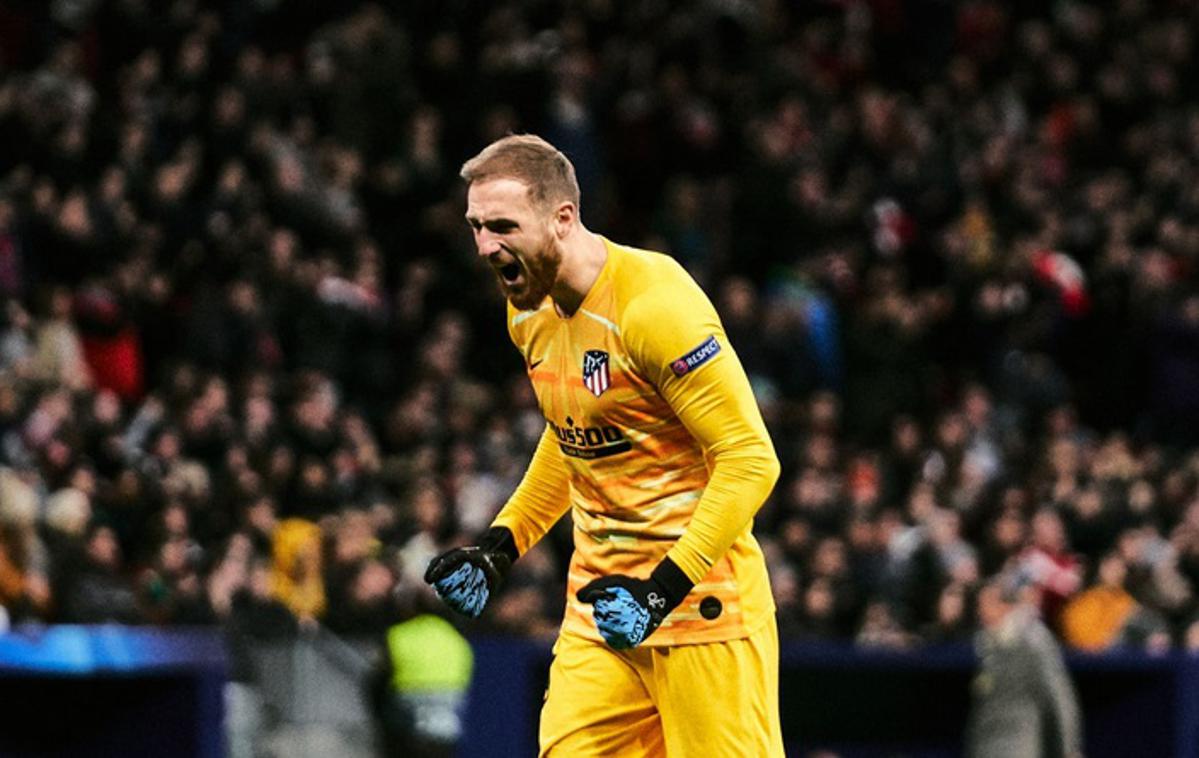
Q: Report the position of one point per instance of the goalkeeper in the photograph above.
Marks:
(655, 444)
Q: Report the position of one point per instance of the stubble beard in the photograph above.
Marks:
(541, 271)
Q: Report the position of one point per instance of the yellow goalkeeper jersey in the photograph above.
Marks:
(653, 441)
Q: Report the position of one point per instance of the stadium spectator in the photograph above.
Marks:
(96, 588)
(1096, 617)
(1049, 565)
(1023, 700)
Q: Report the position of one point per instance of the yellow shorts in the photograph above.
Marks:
(715, 700)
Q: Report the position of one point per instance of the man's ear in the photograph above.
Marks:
(566, 215)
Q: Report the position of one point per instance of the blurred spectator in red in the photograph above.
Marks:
(1049, 566)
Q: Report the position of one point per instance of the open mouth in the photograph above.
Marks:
(510, 272)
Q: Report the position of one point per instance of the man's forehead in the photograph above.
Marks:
(499, 195)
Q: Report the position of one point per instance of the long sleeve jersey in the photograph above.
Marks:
(653, 441)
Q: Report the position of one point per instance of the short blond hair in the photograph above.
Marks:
(549, 175)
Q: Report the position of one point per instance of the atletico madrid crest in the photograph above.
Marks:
(595, 372)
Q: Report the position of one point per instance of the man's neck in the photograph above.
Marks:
(583, 257)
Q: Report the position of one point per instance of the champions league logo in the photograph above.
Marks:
(595, 372)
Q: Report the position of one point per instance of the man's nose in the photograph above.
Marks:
(487, 243)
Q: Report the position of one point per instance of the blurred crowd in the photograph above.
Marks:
(251, 374)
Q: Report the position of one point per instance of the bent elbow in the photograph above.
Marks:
(751, 459)
(763, 464)
(771, 468)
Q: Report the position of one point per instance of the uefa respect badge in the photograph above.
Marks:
(696, 358)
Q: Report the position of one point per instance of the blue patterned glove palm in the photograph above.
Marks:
(466, 577)
(465, 590)
(628, 610)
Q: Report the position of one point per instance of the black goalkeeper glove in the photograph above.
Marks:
(466, 577)
(628, 610)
